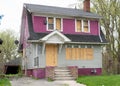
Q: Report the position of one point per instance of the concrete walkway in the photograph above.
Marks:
(26, 81)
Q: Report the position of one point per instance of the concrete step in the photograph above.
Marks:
(62, 70)
(64, 78)
(61, 73)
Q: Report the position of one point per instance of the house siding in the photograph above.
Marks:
(84, 66)
(38, 24)
(95, 63)
(30, 53)
(68, 26)
(30, 57)
(94, 25)
(26, 34)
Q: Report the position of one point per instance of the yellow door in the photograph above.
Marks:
(51, 55)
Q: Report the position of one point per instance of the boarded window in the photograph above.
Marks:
(85, 26)
(54, 24)
(79, 53)
(50, 23)
(79, 26)
(58, 24)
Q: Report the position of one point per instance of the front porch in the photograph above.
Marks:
(54, 73)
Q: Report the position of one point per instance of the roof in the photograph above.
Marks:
(93, 39)
(33, 8)
(74, 38)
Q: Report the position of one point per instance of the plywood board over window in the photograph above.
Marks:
(85, 25)
(68, 53)
(58, 24)
(79, 53)
(79, 26)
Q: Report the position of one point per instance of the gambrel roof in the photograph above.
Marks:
(60, 11)
(77, 38)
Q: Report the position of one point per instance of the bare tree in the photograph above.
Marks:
(110, 11)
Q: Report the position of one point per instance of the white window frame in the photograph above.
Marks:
(54, 22)
(36, 55)
(82, 20)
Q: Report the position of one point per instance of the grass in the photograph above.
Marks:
(5, 82)
(112, 80)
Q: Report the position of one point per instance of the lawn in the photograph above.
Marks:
(5, 82)
(112, 80)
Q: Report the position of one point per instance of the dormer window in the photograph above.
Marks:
(54, 24)
(85, 26)
(82, 26)
(50, 23)
(79, 26)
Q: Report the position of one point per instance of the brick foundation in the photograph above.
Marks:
(74, 71)
(36, 73)
(89, 71)
(49, 72)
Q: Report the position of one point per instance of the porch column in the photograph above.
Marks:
(43, 48)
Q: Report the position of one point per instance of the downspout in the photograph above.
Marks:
(99, 33)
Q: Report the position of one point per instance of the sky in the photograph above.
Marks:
(12, 11)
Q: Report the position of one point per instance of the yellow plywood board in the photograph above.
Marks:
(58, 24)
(51, 55)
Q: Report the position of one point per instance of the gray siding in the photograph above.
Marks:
(95, 63)
(30, 55)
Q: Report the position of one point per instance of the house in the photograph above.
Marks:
(54, 37)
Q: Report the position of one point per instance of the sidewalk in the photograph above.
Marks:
(26, 81)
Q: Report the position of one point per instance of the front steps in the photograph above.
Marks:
(62, 73)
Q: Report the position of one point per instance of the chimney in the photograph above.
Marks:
(87, 5)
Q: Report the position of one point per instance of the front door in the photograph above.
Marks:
(51, 55)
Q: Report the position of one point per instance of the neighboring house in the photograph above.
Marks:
(61, 37)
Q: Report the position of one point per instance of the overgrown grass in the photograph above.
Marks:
(112, 80)
(5, 82)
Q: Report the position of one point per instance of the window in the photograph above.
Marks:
(82, 25)
(85, 26)
(77, 53)
(50, 23)
(58, 24)
(37, 52)
(79, 26)
(54, 24)
(36, 61)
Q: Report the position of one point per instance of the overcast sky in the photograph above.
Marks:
(12, 10)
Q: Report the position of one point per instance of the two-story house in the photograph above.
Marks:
(53, 37)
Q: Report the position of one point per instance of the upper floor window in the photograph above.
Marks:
(85, 26)
(82, 26)
(79, 26)
(50, 23)
(54, 24)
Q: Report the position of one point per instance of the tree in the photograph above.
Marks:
(8, 48)
(110, 11)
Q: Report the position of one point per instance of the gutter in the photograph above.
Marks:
(96, 43)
